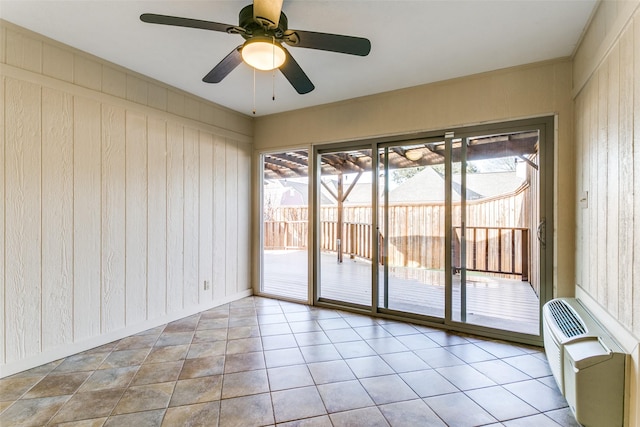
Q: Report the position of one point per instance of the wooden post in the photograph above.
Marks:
(499, 249)
(475, 248)
(525, 255)
(486, 249)
(513, 250)
(354, 248)
(286, 235)
(339, 241)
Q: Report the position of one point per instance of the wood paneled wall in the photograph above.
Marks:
(607, 111)
(119, 198)
(608, 175)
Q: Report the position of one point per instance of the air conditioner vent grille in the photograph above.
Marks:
(566, 318)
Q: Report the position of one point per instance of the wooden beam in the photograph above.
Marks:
(353, 184)
(299, 160)
(296, 163)
(329, 189)
(279, 173)
(528, 161)
(274, 163)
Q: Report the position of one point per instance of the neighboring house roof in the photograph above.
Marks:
(288, 192)
(490, 184)
(428, 186)
(425, 186)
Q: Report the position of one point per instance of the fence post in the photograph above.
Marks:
(525, 255)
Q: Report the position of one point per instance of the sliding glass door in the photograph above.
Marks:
(345, 237)
(442, 227)
(285, 225)
(494, 211)
(411, 221)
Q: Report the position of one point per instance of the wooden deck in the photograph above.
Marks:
(494, 302)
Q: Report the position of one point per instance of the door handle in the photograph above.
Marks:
(541, 233)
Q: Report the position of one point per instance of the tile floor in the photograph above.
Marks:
(263, 362)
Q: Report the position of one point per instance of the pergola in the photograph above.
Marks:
(294, 164)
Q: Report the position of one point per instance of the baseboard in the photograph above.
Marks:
(66, 350)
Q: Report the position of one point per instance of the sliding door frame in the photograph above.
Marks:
(546, 127)
(315, 225)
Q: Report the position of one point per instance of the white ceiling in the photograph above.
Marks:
(413, 42)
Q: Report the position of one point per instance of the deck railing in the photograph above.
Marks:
(498, 250)
(356, 238)
(285, 234)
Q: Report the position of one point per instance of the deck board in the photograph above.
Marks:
(509, 304)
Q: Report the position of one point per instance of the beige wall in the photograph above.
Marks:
(532, 90)
(120, 197)
(607, 115)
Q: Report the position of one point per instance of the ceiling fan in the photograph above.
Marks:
(264, 27)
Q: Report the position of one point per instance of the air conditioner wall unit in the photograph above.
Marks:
(587, 364)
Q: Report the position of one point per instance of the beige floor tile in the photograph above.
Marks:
(206, 349)
(145, 398)
(58, 384)
(245, 383)
(344, 396)
(167, 354)
(201, 414)
(197, 390)
(88, 405)
(370, 417)
(119, 359)
(210, 335)
(96, 422)
(136, 341)
(323, 421)
(152, 373)
(244, 362)
(81, 362)
(114, 378)
(297, 403)
(32, 412)
(411, 413)
(233, 412)
(202, 367)
(145, 418)
(12, 388)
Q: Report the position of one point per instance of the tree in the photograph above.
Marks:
(401, 175)
(456, 168)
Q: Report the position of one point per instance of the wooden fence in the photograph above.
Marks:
(499, 250)
(416, 234)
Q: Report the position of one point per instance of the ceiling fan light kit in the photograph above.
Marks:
(264, 27)
(263, 53)
(414, 155)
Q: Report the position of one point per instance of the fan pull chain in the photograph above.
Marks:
(273, 75)
(254, 91)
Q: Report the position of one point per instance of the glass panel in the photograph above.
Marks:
(285, 213)
(412, 229)
(495, 208)
(345, 233)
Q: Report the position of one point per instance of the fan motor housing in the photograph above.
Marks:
(253, 28)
